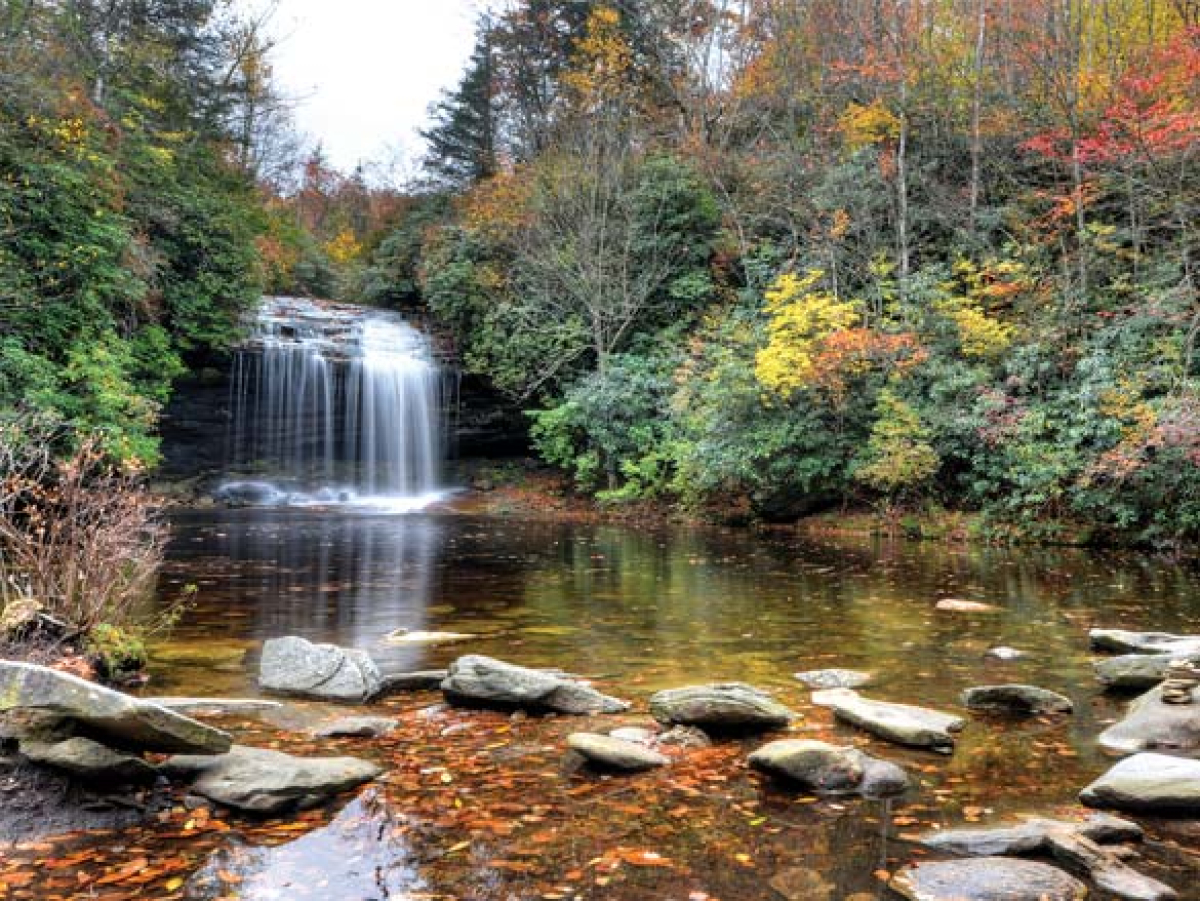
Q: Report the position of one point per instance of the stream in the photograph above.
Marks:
(481, 804)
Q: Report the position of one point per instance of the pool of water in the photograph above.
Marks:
(639, 609)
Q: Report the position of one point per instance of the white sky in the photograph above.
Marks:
(363, 72)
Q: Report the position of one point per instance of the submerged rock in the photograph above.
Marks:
(901, 723)
(1029, 837)
(56, 700)
(1148, 782)
(358, 727)
(986, 879)
(1016, 699)
(1121, 641)
(484, 680)
(91, 761)
(730, 706)
(821, 767)
(1151, 724)
(358, 855)
(296, 666)
(615, 753)
(262, 781)
(834, 678)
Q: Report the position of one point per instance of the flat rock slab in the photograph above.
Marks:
(296, 666)
(829, 769)
(359, 855)
(901, 723)
(1135, 671)
(358, 727)
(1109, 873)
(1029, 837)
(111, 717)
(613, 753)
(1149, 724)
(91, 761)
(1015, 698)
(1148, 782)
(729, 706)
(986, 879)
(475, 679)
(263, 781)
(1121, 641)
(834, 678)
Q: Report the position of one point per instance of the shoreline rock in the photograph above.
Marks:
(295, 666)
(986, 879)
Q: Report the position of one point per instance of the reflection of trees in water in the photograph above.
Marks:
(345, 579)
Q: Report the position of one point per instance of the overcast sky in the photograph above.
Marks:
(363, 72)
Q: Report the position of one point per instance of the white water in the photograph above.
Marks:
(332, 403)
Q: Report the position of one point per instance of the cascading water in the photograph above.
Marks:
(336, 403)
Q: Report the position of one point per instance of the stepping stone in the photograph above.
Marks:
(1148, 782)
(475, 679)
(731, 706)
(901, 723)
(615, 753)
(825, 768)
(1016, 699)
(834, 678)
(986, 879)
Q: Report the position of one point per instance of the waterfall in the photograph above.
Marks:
(336, 403)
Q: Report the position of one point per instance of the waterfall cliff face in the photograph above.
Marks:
(334, 402)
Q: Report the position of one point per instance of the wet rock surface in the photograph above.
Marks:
(834, 678)
(295, 666)
(1133, 671)
(822, 767)
(1028, 837)
(731, 706)
(1146, 783)
(902, 723)
(91, 761)
(261, 781)
(1122, 641)
(986, 879)
(1015, 698)
(610, 752)
(56, 701)
(475, 679)
(1150, 724)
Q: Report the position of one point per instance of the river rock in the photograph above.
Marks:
(419, 637)
(1121, 641)
(1003, 652)
(684, 737)
(821, 767)
(615, 753)
(955, 605)
(295, 666)
(1109, 873)
(1148, 782)
(1151, 724)
(358, 727)
(986, 879)
(90, 761)
(249, 494)
(358, 855)
(834, 678)
(1016, 699)
(731, 706)
(901, 723)
(56, 699)
(484, 680)
(1029, 837)
(1136, 671)
(421, 680)
(263, 781)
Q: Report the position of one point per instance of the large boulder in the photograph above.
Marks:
(1015, 698)
(986, 879)
(90, 761)
(46, 700)
(1150, 724)
(475, 679)
(825, 768)
(901, 723)
(295, 666)
(359, 855)
(1135, 672)
(1121, 641)
(613, 753)
(263, 781)
(730, 706)
(1148, 782)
